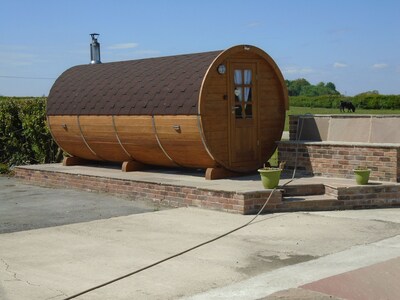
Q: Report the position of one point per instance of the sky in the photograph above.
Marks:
(353, 43)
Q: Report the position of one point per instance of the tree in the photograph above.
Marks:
(331, 86)
(301, 87)
(296, 86)
(373, 92)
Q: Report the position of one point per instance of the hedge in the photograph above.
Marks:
(371, 101)
(24, 136)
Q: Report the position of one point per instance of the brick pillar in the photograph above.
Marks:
(293, 121)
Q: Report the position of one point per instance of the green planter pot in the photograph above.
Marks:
(362, 176)
(270, 177)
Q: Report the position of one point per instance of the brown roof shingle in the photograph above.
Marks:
(160, 86)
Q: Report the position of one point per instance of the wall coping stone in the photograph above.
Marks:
(339, 143)
(347, 116)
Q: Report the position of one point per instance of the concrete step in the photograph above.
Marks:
(303, 190)
(309, 198)
(309, 202)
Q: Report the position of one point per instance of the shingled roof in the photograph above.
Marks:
(154, 86)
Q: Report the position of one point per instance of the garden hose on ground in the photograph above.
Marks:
(204, 243)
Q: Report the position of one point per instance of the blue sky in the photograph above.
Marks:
(352, 43)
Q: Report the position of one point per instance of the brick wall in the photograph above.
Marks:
(332, 160)
(336, 159)
(349, 197)
(161, 194)
(398, 165)
(373, 196)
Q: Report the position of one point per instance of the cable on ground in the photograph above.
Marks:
(201, 244)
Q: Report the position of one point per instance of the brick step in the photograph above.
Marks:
(303, 190)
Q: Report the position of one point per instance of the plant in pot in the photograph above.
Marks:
(362, 174)
(270, 176)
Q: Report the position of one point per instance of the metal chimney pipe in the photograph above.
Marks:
(95, 49)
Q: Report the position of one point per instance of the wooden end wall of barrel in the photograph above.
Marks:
(222, 111)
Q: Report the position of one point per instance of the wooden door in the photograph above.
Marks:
(243, 116)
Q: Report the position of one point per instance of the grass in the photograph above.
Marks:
(293, 110)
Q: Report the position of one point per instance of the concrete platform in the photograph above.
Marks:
(245, 195)
(294, 254)
(64, 241)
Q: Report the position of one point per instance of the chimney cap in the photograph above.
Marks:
(94, 35)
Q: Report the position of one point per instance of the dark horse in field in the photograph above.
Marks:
(348, 105)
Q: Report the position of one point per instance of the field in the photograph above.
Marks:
(330, 111)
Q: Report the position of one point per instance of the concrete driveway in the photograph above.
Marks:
(25, 207)
(278, 253)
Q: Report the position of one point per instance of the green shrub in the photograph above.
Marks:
(24, 135)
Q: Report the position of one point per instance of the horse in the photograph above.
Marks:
(348, 105)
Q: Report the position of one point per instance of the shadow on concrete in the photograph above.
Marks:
(26, 207)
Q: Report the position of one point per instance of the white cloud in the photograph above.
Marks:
(379, 66)
(296, 70)
(338, 65)
(123, 46)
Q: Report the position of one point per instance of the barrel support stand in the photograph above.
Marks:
(131, 165)
(73, 161)
(220, 173)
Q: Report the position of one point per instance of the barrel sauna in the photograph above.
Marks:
(222, 111)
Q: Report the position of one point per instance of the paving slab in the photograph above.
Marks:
(298, 275)
(378, 281)
(299, 294)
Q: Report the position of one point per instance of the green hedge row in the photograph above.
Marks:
(24, 136)
(361, 101)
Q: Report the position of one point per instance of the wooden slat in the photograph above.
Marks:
(246, 55)
(66, 133)
(138, 138)
(215, 114)
(100, 135)
(214, 123)
(177, 128)
(183, 145)
(218, 108)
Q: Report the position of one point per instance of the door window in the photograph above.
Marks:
(242, 92)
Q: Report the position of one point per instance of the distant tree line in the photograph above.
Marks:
(364, 101)
(301, 87)
(304, 94)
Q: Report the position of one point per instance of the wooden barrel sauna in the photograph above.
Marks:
(221, 110)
